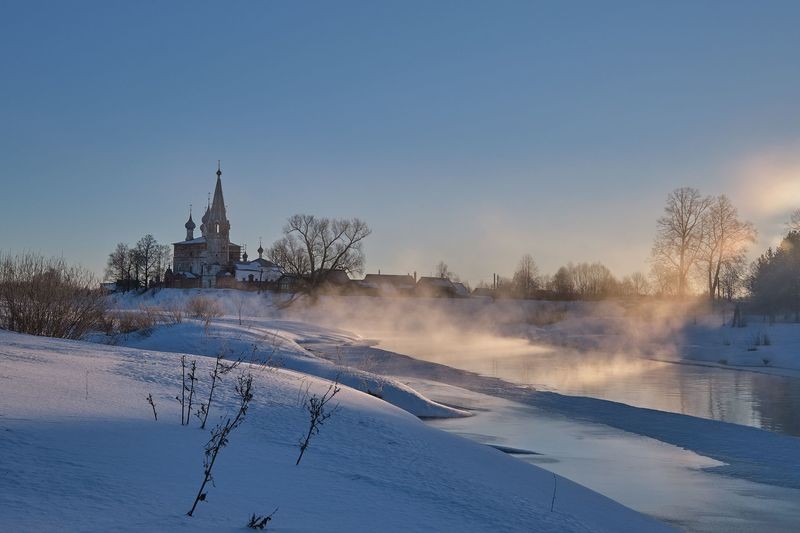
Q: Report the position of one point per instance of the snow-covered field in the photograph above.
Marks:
(374, 467)
(81, 451)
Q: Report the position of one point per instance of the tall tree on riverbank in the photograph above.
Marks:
(724, 242)
(680, 234)
(526, 278)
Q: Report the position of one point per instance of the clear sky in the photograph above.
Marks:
(470, 132)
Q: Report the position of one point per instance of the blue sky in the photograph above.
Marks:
(471, 132)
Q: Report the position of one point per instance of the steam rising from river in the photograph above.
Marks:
(564, 344)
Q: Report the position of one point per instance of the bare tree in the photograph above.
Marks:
(147, 250)
(135, 265)
(117, 267)
(664, 280)
(162, 260)
(680, 233)
(443, 271)
(733, 277)
(526, 277)
(794, 221)
(725, 238)
(312, 247)
(592, 280)
(562, 282)
(221, 433)
(639, 284)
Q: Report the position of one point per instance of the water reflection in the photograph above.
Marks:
(749, 398)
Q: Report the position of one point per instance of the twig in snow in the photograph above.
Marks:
(221, 433)
(182, 398)
(553, 501)
(319, 413)
(260, 522)
(220, 369)
(190, 390)
(153, 405)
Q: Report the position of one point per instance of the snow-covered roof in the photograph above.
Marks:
(256, 265)
(198, 240)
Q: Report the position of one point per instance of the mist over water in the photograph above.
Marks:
(609, 350)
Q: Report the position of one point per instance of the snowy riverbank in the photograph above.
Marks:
(84, 453)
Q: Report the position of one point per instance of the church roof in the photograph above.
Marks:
(198, 240)
(256, 264)
(217, 211)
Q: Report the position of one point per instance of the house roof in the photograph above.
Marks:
(393, 280)
(439, 282)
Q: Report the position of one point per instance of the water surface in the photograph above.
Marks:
(766, 401)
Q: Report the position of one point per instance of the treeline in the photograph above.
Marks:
(774, 279)
(139, 266)
(573, 281)
(700, 246)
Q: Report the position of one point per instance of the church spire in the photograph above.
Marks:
(217, 222)
(190, 225)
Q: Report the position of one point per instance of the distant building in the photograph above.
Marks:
(258, 270)
(201, 261)
(460, 289)
(431, 286)
(389, 284)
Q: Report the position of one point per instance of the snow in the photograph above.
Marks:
(276, 343)
(323, 341)
(87, 455)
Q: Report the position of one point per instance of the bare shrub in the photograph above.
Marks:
(220, 369)
(203, 308)
(133, 321)
(108, 323)
(260, 522)
(319, 412)
(48, 297)
(221, 433)
(153, 405)
(172, 314)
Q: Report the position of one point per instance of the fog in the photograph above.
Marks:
(604, 340)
